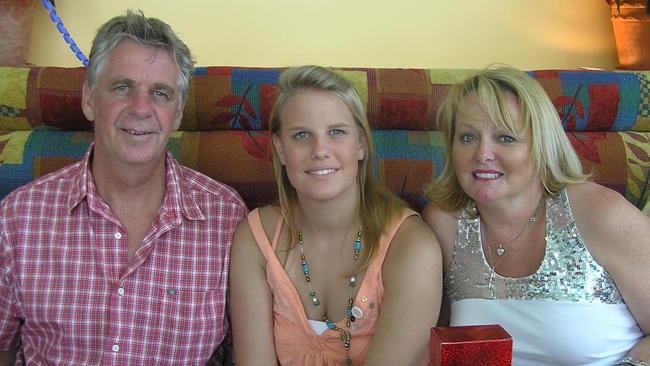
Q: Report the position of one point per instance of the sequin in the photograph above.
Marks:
(568, 271)
(487, 293)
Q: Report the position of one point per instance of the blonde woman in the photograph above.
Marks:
(561, 263)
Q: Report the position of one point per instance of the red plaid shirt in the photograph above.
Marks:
(69, 293)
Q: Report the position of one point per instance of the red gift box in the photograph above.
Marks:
(485, 345)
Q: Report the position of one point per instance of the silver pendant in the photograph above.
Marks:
(353, 281)
(487, 293)
(501, 250)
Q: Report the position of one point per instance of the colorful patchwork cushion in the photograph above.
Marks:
(224, 98)
(224, 129)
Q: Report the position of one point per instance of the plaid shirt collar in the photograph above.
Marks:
(178, 203)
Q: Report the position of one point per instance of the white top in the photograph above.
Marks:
(546, 333)
(569, 312)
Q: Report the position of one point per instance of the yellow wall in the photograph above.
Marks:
(530, 34)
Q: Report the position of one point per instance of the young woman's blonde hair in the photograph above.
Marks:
(552, 154)
(376, 204)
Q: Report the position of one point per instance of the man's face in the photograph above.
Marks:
(135, 105)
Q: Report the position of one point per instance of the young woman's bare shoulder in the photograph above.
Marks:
(414, 233)
(269, 215)
(413, 244)
(244, 239)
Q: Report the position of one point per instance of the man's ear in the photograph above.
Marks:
(178, 118)
(87, 103)
(278, 147)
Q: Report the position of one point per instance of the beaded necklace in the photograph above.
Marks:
(352, 282)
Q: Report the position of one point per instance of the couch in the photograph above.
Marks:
(606, 116)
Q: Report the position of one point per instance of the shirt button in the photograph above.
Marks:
(120, 291)
(115, 348)
(118, 236)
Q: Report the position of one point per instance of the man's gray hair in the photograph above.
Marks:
(150, 32)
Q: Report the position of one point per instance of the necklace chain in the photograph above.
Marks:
(352, 282)
(503, 246)
(488, 292)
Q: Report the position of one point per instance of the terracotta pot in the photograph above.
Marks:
(629, 9)
(631, 25)
(632, 43)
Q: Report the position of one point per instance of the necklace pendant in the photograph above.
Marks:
(487, 293)
(345, 338)
(501, 250)
(314, 298)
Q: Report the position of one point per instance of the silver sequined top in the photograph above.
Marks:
(567, 273)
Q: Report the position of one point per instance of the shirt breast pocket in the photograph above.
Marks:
(191, 322)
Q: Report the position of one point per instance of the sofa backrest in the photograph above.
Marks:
(224, 131)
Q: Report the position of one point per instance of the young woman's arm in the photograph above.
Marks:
(412, 277)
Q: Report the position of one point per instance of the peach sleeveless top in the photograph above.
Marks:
(296, 343)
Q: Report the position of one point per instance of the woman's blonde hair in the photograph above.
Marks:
(555, 159)
(376, 204)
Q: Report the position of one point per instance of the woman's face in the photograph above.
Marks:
(491, 163)
(320, 145)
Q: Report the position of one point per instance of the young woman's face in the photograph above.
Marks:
(320, 146)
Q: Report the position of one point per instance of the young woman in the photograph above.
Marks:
(340, 272)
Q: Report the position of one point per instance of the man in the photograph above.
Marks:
(121, 258)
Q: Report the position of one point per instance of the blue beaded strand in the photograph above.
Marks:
(357, 246)
(305, 271)
(349, 318)
(64, 32)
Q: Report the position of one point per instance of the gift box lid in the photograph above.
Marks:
(470, 333)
